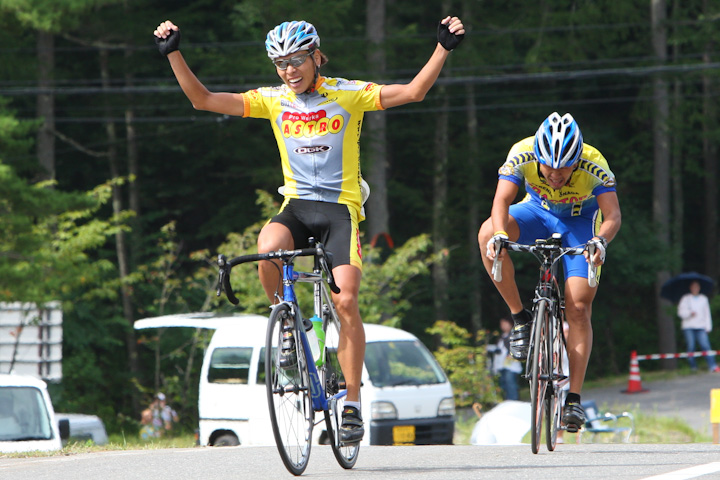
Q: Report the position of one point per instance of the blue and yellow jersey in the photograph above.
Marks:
(318, 135)
(591, 178)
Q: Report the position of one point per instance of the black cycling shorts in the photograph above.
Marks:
(333, 224)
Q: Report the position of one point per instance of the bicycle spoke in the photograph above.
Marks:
(346, 455)
(291, 413)
(553, 404)
(539, 376)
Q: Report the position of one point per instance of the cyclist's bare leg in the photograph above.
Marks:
(578, 313)
(351, 347)
(273, 236)
(507, 288)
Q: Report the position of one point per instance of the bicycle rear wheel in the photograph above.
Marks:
(538, 375)
(288, 394)
(554, 400)
(346, 455)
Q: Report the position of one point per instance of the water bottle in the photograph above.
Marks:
(316, 338)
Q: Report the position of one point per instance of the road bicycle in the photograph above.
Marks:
(306, 384)
(544, 366)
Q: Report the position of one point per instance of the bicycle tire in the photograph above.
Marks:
(346, 455)
(553, 399)
(538, 376)
(288, 393)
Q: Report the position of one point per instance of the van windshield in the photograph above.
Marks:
(392, 364)
(23, 415)
(230, 365)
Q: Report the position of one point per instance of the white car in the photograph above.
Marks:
(27, 418)
(85, 427)
(406, 396)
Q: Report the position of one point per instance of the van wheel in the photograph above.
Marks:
(227, 440)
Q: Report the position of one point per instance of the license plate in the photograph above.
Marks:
(404, 434)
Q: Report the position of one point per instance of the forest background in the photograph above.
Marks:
(115, 195)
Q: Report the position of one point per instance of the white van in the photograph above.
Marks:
(27, 418)
(406, 396)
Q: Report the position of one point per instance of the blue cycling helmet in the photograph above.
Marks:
(558, 141)
(290, 37)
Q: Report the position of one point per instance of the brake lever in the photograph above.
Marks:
(497, 263)
(592, 269)
(224, 280)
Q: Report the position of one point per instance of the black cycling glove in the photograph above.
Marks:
(448, 40)
(169, 44)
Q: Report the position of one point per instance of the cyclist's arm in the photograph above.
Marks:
(415, 91)
(505, 194)
(610, 208)
(200, 97)
(612, 218)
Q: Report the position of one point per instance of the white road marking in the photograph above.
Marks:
(686, 473)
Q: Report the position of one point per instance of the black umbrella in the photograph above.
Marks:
(679, 285)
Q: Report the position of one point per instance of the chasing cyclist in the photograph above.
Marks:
(570, 190)
(316, 121)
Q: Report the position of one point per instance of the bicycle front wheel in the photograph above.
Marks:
(345, 454)
(288, 393)
(554, 399)
(538, 375)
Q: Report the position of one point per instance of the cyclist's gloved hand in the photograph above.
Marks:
(491, 252)
(169, 44)
(446, 38)
(600, 245)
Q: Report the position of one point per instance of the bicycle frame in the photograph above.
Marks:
(549, 291)
(544, 363)
(290, 276)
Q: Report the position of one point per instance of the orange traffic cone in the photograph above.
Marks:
(634, 383)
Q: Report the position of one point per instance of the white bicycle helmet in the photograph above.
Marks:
(290, 37)
(558, 141)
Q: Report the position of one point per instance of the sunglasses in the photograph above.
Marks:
(295, 61)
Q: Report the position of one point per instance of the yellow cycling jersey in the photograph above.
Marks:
(591, 178)
(318, 134)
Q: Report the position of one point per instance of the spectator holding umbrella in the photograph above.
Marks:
(694, 310)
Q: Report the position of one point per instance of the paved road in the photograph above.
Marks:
(686, 397)
(599, 461)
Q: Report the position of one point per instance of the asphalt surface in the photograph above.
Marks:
(620, 461)
(685, 397)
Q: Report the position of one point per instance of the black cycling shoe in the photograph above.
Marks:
(351, 430)
(288, 352)
(520, 341)
(573, 417)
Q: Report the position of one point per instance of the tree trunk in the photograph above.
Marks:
(377, 210)
(678, 238)
(710, 162)
(440, 223)
(46, 103)
(475, 267)
(132, 158)
(473, 218)
(120, 247)
(661, 177)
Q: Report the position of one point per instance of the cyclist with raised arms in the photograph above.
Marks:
(316, 121)
(571, 191)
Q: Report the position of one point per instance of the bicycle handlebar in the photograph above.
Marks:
(324, 259)
(539, 247)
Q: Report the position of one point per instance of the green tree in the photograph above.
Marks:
(464, 362)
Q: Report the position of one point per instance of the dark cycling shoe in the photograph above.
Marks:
(520, 341)
(573, 417)
(288, 352)
(351, 430)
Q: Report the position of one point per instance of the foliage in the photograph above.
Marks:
(384, 297)
(199, 172)
(46, 236)
(465, 364)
